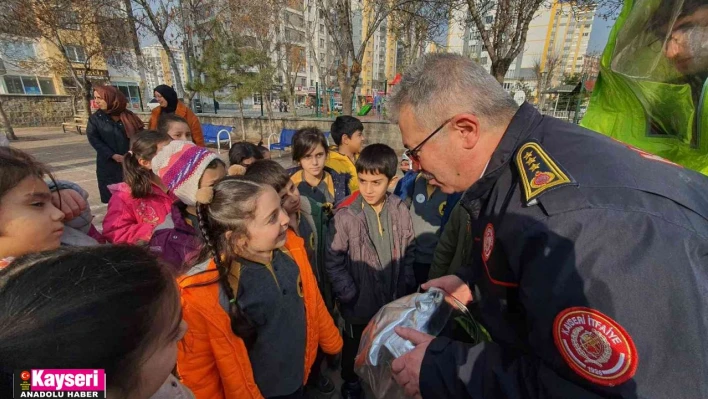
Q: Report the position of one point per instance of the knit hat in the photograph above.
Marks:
(180, 165)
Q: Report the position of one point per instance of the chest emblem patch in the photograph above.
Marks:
(488, 242)
(595, 347)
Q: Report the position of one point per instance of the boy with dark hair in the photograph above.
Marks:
(347, 133)
(313, 179)
(370, 254)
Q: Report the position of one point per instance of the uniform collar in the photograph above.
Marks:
(519, 129)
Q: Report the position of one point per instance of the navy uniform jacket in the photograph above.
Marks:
(589, 269)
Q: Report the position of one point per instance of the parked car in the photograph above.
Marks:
(153, 104)
(338, 107)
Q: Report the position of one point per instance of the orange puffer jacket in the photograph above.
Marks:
(212, 361)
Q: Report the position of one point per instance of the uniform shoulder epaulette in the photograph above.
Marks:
(539, 172)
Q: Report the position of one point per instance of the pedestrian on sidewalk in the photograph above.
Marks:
(109, 132)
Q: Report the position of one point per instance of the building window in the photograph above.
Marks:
(70, 20)
(312, 82)
(131, 92)
(322, 28)
(586, 34)
(28, 85)
(20, 50)
(322, 42)
(75, 53)
(47, 86)
(489, 19)
(483, 61)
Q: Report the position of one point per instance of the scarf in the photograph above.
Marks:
(117, 104)
(170, 95)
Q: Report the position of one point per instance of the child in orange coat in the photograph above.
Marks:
(254, 310)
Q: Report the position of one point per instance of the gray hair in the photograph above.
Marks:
(441, 85)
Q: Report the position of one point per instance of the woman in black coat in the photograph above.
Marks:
(109, 131)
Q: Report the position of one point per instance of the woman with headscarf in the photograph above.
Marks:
(169, 104)
(109, 131)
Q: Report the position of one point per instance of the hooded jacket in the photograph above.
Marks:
(212, 361)
(131, 220)
(343, 165)
(353, 265)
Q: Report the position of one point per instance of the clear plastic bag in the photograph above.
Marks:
(432, 312)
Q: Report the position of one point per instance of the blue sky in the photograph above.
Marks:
(600, 32)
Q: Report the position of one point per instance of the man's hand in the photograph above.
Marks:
(406, 369)
(117, 158)
(71, 203)
(453, 286)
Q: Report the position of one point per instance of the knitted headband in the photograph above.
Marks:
(180, 165)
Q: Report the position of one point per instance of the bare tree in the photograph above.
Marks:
(158, 17)
(502, 26)
(80, 34)
(338, 20)
(7, 125)
(544, 70)
(416, 23)
(140, 63)
(325, 59)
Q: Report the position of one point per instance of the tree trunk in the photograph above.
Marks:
(138, 54)
(179, 88)
(499, 69)
(87, 98)
(9, 131)
(243, 126)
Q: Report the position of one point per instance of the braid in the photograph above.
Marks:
(241, 325)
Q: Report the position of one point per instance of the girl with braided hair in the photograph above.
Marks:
(255, 314)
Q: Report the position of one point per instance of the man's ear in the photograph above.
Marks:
(466, 127)
(392, 183)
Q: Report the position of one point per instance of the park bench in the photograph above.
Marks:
(77, 124)
(285, 141)
(217, 134)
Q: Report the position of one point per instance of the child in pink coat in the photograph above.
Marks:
(142, 201)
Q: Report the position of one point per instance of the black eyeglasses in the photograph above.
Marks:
(413, 154)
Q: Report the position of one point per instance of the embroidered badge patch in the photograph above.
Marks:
(488, 242)
(596, 347)
(538, 171)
